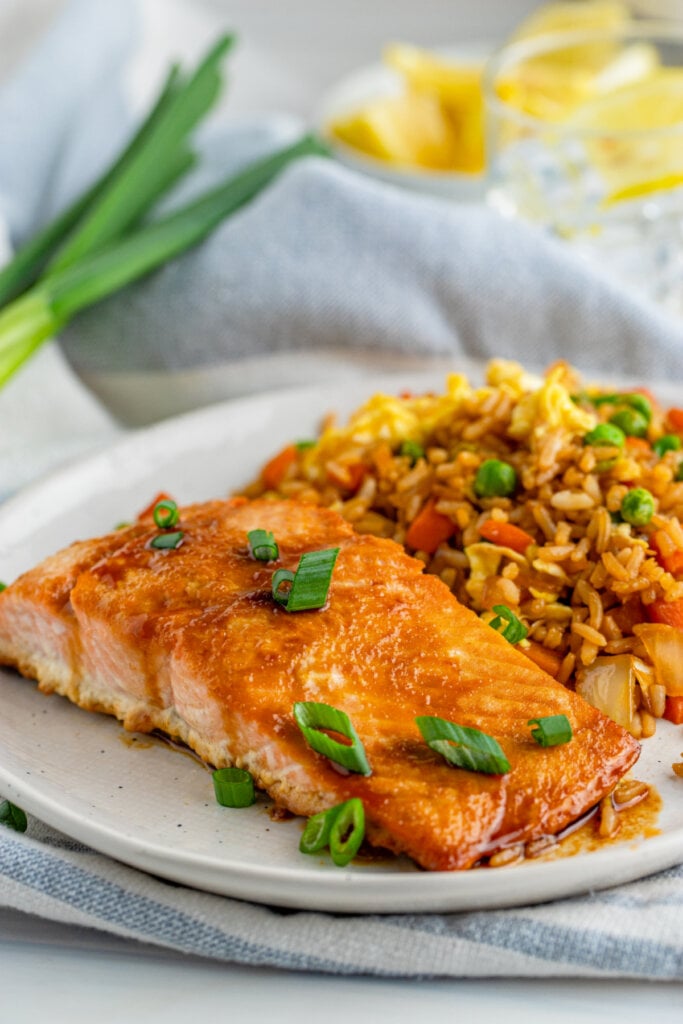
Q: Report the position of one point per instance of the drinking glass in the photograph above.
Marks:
(585, 137)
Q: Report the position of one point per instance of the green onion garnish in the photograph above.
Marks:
(302, 446)
(316, 834)
(413, 450)
(3, 586)
(12, 816)
(167, 540)
(313, 717)
(233, 787)
(309, 584)
(515, 630)
(342, 828)
(348, 829)
(262, 546)
(464, 747)
(166, 513)
(551, 730)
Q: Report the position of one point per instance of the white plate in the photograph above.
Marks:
(151, 807)
(374, 82)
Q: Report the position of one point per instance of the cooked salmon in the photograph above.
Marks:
(191, 642)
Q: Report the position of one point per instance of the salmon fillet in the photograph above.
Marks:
(190, 641)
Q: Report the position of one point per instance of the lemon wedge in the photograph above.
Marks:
(634, 165)
(408, 131)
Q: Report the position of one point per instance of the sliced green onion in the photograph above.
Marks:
(495, 479)
(309, 584)
(413, 450)
(233, 787)
(637, 507)
(666, 443)
(464, 747)
(312, 717)
(316, 834)
(3, 586)
(552, 730)
(302, 446)
(342, 828)
(262, 546)
(123, 525)
(12, 816)
(347, 832)
(515, 630)
(167, 540)
(166, 513)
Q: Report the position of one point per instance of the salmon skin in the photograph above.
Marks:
(190, 641)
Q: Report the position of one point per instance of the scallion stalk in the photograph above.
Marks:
(49, 305)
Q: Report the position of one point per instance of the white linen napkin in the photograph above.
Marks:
(325, 272)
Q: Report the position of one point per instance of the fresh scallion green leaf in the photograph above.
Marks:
(233, 787)
(152, 168)
(304, 445)
(12, 816)
(262, 545)
(462, 746)
(551, 730)
(41, 312)
(28, 262)
(347, 831)
(313, 717)
(166, 541)
(3, 586)
(515, 630)
(165, 513)
(309, 585)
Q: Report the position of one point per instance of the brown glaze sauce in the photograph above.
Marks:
(636, 822)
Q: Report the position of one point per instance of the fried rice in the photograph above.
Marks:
(597, 587)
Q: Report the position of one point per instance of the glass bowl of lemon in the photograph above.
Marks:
(585, 138)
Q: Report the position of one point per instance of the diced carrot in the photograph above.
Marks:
(672, 561)
(405, 395)
(506, 535)
(273, 473)
(670, 613)
(149, 509)
(428, 529)
(675, 419)
(352, 478)
(549, 661)
(638, 444)
(673, 710)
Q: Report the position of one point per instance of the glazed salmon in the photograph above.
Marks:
(190, 641)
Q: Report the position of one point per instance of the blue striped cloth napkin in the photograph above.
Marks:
(635, 931)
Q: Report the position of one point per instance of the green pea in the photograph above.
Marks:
(666, 443)
(640, 403)
(495, 479)
(632, 422)
(605, 434)
(637, 507)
